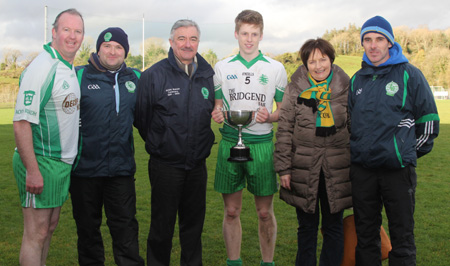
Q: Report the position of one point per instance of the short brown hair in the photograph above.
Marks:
(249, 17)
(71, 11)
(311, 45)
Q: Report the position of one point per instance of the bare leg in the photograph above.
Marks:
(35, 234)
(54, 219)
(267, 226)
(232, 231)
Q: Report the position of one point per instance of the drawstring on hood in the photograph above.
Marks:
(116, 89)
(112, 75)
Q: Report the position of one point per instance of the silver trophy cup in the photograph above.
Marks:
(239, 119)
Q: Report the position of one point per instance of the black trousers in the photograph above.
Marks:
(395, 189)
(333, 232)
(176, 191)
(118, 196)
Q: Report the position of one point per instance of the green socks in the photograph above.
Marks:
(237, 262)
(267, 263)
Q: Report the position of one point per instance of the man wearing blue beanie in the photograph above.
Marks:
(379, 25)
(394, 122)
(103, 173)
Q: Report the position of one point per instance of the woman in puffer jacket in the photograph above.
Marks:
(312, 152)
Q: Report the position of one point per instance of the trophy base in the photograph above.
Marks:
(241, 154)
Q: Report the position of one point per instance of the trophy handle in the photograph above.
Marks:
(253, 119)
(225, 118)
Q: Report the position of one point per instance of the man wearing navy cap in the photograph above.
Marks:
(394, 121)
(103, 173)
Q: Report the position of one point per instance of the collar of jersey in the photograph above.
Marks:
(54, 54)
(248, 65)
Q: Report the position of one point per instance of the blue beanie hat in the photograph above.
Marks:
(379, 25)
(116, 35)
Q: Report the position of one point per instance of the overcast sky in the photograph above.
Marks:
(287, 23)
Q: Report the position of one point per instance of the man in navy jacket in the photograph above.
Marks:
(394, 121)
(173, 116)
(103, 174)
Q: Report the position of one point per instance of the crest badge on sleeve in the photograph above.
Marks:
(28, 97)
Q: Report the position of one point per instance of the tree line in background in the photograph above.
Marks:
(429, 50)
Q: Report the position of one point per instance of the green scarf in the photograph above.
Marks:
(318, 97)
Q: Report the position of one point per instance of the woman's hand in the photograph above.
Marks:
(285, 181)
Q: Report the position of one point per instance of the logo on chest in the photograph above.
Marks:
(205, 93)
(264, 79)
(173, 91)
(131, 87)
(70, 104)
(65, 85)
(93, 87)
(391, 88)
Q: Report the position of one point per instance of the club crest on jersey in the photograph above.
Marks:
(65, 85)
(131, 87)
(28, 97)
(264, 79)
(391, 88)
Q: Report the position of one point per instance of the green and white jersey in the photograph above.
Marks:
(48, 98)
(250, 85)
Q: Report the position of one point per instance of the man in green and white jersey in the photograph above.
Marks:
(248, 81)
(46, 131)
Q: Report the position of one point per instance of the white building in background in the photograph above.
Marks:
(440, 93)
